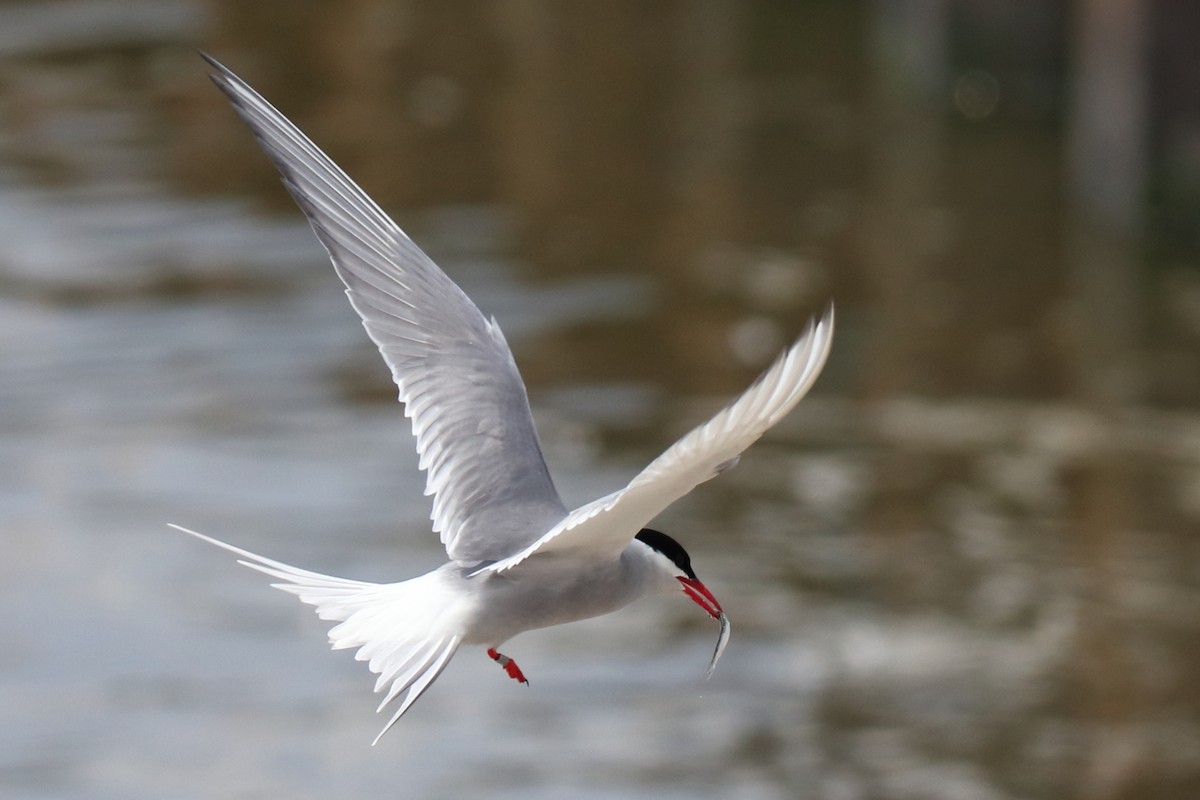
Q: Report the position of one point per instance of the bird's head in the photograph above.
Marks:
(672, 559)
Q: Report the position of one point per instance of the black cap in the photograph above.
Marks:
(656, 540)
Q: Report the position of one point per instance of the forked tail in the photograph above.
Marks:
(395, 626)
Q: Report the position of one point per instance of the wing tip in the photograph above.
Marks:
(222, 76)
(211, 61)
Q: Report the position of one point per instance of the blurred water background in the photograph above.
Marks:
(967, 567)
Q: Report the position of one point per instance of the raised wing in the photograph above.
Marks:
(607, 525)
(459, 384)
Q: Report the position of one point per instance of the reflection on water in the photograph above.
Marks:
(966, 568)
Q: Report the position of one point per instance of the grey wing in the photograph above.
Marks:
(492, 493)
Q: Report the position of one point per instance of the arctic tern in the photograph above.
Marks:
(519, 559)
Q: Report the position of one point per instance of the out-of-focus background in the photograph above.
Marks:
(967, 567)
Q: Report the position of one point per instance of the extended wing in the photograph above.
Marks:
(606, 526)
(459, 384)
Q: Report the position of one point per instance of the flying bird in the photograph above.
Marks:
(518, 558)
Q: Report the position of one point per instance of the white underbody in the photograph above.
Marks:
(408, 631)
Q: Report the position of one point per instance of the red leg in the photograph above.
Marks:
(509, 665)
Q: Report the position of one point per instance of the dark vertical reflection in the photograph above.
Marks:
(902, 250)
(700, 213)
(1106, 140)
(583, 126)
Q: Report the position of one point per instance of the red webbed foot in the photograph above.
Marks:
(509, 665)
